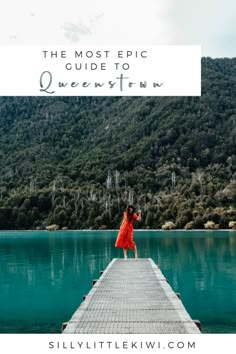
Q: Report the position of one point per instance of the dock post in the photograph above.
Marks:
(198, 324)
(63, 326)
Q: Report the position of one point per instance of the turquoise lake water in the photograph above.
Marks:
(43, 275)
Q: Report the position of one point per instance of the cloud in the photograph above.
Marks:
(109, 22)
(130, 22)
(73, 32)
(207, 22)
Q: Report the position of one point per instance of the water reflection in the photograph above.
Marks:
(43, 276)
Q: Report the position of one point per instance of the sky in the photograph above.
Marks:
(209, 23)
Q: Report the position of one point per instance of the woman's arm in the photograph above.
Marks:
(139, 215)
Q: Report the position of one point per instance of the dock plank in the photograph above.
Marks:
(131, 297)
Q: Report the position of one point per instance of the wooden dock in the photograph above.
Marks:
(131, 297)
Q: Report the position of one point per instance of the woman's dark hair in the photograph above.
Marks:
(130, 215)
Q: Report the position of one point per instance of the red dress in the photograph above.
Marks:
(125, 235)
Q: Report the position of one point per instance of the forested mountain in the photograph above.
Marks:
(78, 161)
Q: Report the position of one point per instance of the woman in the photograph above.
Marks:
(125, 235)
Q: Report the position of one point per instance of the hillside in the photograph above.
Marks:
(78, 161)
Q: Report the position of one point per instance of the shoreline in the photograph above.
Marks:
(116, 230)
